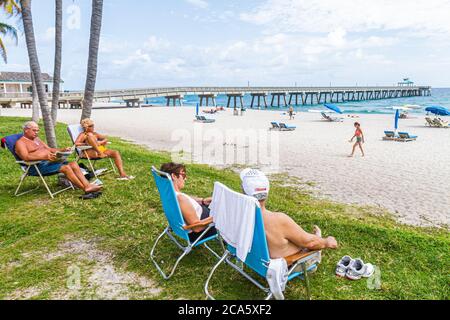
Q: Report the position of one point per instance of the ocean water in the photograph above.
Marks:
(438, 97)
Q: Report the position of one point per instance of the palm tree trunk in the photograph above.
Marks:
(58, 59)
(94, 42)
(27, 19)
(35, 117)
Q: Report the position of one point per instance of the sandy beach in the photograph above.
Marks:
(411, 180)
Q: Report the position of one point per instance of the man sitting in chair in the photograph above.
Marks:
(284, 236)
(30, 148)
(194, 210)
(98, 143)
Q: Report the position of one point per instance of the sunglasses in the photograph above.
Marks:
(183, 175)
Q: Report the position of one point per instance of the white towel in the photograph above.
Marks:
(277, 277)
(234, 217)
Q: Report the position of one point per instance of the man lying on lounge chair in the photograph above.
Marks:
(31, 148)
(194, 210)
(284, 236)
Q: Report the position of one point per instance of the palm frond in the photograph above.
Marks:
(3, 52)
(8, 30)
(11, 7)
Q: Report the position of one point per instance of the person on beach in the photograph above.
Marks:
(284, 236)
(291, 113)
(359, 135)
(31, 148)
(194, 209)
(98, 143)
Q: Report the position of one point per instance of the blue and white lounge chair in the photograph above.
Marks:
(258, 260)
(286, 127)
(389, 136)
(177, 227)
(10, 144)
(74, 131)
(203, 119)
(275, 126)
(406, 137)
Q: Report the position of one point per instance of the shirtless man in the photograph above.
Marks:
(284, 236)
(31, 148)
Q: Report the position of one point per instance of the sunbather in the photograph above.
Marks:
(30, 148)
(194, 209)
(284, 236)
(98, 143)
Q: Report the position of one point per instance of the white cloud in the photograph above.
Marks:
(48, 36)
(424, 16)
(198, 3)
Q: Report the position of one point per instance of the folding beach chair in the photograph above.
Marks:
(177, 227)
(406, 137)
(285, 127)
(10, 144)
(74, 131)
(258, 258)
(331, 119)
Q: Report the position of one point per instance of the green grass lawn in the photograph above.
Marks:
(125, 221)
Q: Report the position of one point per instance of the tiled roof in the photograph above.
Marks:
(21, 76)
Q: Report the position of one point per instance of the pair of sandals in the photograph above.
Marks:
(354, 269)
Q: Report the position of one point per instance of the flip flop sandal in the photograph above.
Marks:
(91, 196)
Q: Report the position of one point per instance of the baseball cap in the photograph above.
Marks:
(255, 184)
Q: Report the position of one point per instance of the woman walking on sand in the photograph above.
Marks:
(359, 135)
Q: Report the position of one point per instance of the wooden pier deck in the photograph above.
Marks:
(280, 95)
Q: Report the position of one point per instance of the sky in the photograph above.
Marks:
(155, 43)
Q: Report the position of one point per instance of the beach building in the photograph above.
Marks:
(20, 82)
(406, 83)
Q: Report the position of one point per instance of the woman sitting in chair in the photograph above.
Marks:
(195, 210)
(98, 143)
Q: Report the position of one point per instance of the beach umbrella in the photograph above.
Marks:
(397, 118)
(197, 110)
(334, 108)
(438, 110)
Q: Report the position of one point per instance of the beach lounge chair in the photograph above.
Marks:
(406, 137)
(286, 127)
(331, 119)
(203, 119)
(275, 126)
(10, 144)
(430, 122)
(74, 131)
(177, 227)
(389, 136)
(439, 123)
(258, 258)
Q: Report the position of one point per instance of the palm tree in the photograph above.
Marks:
(27, 20)
(94, 42)
(6, 30)
(35, 99)
(58, 59)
